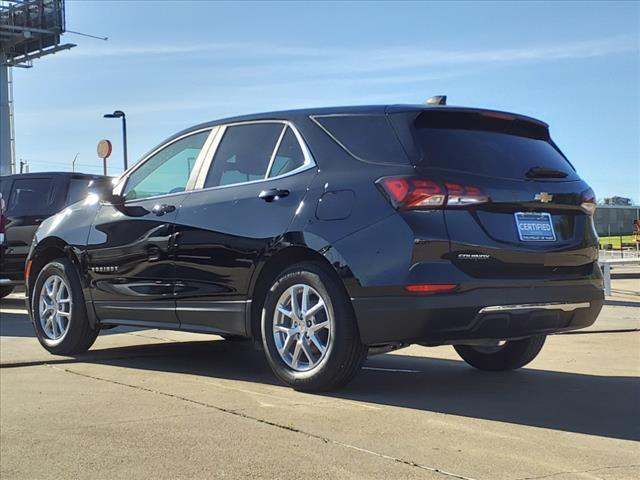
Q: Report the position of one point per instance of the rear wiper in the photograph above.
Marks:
(544, 172)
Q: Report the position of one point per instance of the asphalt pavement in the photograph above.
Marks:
(160, 404)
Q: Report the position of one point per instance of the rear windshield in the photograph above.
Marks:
(494, 147)
(366, 137)
(31, 196)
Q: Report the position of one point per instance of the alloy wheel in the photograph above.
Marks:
(302, 327)
(55, 307)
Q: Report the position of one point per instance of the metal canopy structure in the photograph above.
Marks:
(29, 29)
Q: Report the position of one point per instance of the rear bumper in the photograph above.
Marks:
(488, 312)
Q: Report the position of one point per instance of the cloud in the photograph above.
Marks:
(217, 49)
(370, 59)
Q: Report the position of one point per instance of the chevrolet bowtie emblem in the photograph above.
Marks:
(544, 197)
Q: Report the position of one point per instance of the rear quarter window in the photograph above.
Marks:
(78, 190)
(368, 138)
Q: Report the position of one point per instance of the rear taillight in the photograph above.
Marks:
(459, 195)
(409, 193)
(588, 201)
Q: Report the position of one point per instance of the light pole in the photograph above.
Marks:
(120, 114)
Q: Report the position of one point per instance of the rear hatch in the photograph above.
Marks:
(515, 207)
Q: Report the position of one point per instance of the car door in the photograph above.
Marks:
(130, 246)
(257, 179)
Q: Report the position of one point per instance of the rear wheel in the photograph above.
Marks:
(309, 331)
(59, 312)
(507, 356)
(6, 290)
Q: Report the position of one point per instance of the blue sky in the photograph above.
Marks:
(170, 65)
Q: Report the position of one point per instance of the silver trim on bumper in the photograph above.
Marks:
(565, 307)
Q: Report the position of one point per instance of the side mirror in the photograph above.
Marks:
(104, 190)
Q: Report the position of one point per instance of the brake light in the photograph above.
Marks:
(430, 288)
(464, 195)
(417, 193)
(406, 192)
(588, 201)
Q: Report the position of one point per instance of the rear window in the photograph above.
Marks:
(366, 137)
(31, 196)
(493, 147)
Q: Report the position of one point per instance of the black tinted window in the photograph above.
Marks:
(31, 196)
(78, 190)
(289, 155)
(486, 143)
(488, 153)
(367, 137)
(243, 154)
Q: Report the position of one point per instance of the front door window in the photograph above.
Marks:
(168, 170)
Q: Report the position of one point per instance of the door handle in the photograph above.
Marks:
(163, 208)
(273, 194)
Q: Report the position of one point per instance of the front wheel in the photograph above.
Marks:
(59, 312)
(506, 356)
(309, 331)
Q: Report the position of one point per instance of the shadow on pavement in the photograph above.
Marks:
(595, 405)
(19, 324)
(622, 303)
(607, 406)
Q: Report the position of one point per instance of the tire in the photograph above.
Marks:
(6, 290)
(74, 333)
(333, 326)
(513, 354)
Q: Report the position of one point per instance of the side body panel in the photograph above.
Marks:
(221, 235)
(130, 263)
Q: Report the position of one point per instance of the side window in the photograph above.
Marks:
(366, 137)
(289, 155)
(243, 154)
(31, 196)
(168, 170)
(78, 190)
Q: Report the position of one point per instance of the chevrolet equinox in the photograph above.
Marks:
(328, 234)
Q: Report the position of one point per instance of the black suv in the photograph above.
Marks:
(327, 233)
(28, 199)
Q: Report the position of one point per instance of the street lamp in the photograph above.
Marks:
(120, 114)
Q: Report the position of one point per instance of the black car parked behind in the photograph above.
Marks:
(30, 198)
(324, 234)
